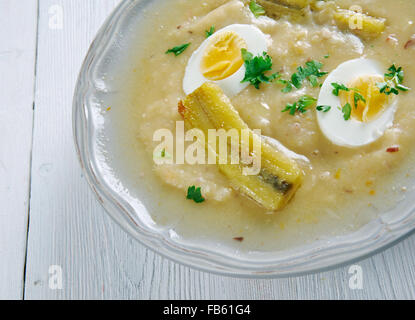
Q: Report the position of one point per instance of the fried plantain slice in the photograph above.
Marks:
(277, 10)
(279, 176)
(359, 23)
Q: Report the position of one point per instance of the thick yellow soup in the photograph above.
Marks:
(343, 187)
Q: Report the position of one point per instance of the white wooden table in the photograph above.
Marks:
(50, 222)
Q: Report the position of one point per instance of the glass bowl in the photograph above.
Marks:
(129, 212)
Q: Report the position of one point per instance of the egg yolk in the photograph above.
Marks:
(222, 58)
(376, 101)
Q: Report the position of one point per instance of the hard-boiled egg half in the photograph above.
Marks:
(219, 58)
(368, 120)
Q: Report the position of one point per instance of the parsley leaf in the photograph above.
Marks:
(256, 9)
(347, 111)
(256, 67)
(311, 72)
(301, 106)
(195, 194)
(313, 80)
(395, 72)
(358, 97)
(307, 101)
(393, 83)
(178, 50)
(246, 55)
(210, 31)
(385, 88)
(323, 108)
(297, 78)
(288, 85)
(402, 87)
(337, 87)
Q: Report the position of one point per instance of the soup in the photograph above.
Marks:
(342, 188)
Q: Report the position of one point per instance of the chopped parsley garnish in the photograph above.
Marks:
(323, 108)
(293, 108)
(395, 73)
(358, 97)
(347, 111)
(327, 56)
(178, 50)
(313, 80)
(210, 31)
(195, 194)
(256, 9)
(288, 85)
(393, 83)
(311, 72)
(337, 87)
(386, 89)
(301, 106)
(256, 68)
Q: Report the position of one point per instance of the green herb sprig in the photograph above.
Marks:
(338, 87)
(311, 71)
(256, 68)
(178, 50)
(393, 84)
(323, 108)
(195, 194)
(301, 106)
(256, 9)
(347, 111)
(356, 95)
(209, 32)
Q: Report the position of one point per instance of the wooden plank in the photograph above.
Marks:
(63, 230)
(17, 65)
(69, 229)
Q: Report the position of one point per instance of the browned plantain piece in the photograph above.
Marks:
(279, 176)
(359, 23)
(277, 10)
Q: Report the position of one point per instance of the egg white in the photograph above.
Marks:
(351, 133)
(256, 42)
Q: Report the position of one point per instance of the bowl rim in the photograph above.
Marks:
(319, 256)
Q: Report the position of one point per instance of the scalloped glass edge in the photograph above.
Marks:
(318, 256)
